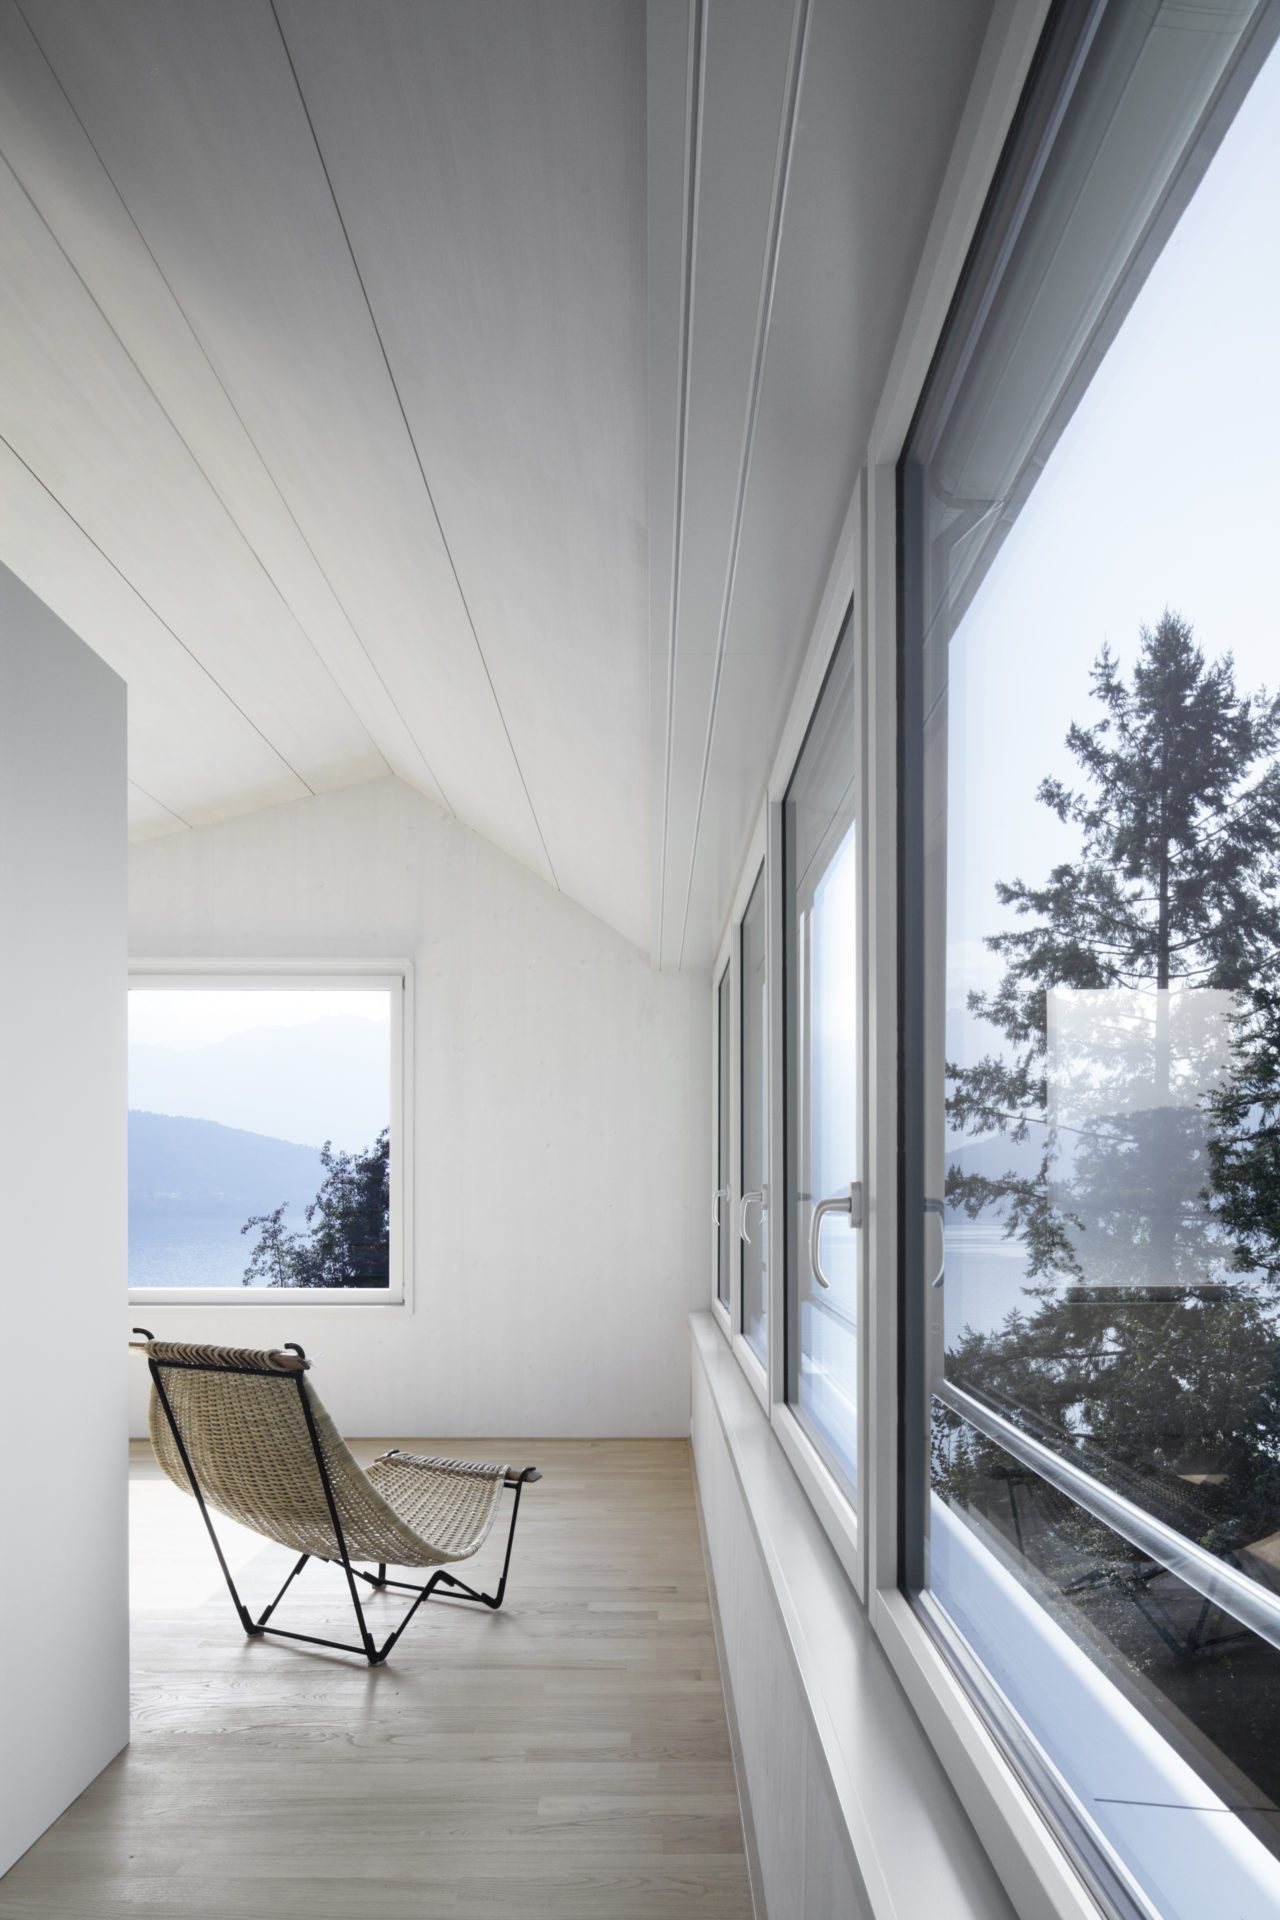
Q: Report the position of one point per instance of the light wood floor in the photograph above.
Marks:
(567, 1756)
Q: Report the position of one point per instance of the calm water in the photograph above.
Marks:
(192, 1251)
(986, 1275)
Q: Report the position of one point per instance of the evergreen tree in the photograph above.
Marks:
(1136, 1352)
(1244, 1148)
(348, 1239)
(1176, 884)
(271, 1262)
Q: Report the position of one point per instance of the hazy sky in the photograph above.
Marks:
(303, 1065)
(1162, 492)
(194, 1016)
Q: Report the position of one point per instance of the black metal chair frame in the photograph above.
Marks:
(443, 1583)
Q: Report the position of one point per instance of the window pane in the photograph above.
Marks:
(1053, 1600)
(723, 1211)
(259, 1136)
(821, 889)
(755, 1123)
(1089, 510)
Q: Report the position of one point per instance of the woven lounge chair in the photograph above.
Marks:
(244, 1431)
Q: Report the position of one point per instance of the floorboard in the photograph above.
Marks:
(567, 1756)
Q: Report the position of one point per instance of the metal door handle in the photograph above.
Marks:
(939, 1207)
(721, 1193)
(850, 1203)
(763, 1197)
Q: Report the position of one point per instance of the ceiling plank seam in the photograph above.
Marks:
(764, 312)
(159, 617)
(418, 461)
(689, 238)
(163, 805)
(22, 187)
(249, 438)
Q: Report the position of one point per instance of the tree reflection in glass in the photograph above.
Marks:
(1127, 1113)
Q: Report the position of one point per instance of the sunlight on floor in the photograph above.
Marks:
(171, 1563)
(567, 1756)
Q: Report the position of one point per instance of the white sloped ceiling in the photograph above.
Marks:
(466, 389)
(796, 152)
(322, 402)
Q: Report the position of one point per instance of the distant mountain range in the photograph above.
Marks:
(995, 1155)
(180, 1167)
(326, 1080)
(992, 1158)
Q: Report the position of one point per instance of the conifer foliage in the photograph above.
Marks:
(1177, 884)
(348, 1240)
(1149, 1213)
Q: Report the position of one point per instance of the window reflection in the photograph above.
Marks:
(1089, 502)
(754, 1207)
(821, 868)
(1090, 1102)
(1211, 1686)
(721, 1209)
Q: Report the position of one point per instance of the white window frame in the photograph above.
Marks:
(723, 1208)
(748, 1358)
(1016, 1834)
(397, 977)
(827, 1495)
(839, 1513)
(1021, 1843)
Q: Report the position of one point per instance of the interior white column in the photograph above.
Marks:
(63, 1231)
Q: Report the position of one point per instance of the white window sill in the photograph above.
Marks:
(915, 1850)
(1183, 1844)
(312, 1299)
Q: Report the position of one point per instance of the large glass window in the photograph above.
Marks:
(754, 1204)
(820, 888)
(720, 1205)
(264, 1134)
(1091, 954)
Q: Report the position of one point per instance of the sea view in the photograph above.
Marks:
(197, 1251)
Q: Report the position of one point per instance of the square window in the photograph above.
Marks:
(267, 1134)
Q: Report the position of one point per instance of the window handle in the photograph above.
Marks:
(939, 1207)
(850, 1203)
(762, 1195)
(721, 1193)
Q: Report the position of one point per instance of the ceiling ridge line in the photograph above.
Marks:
(157, 616)
(694, 100)
(764, 313)
(426, 484)
(196, 461)
(157, 802)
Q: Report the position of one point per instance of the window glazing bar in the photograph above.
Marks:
(1222, 1585)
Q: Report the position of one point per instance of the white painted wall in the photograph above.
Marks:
(64, 1648)
(560, 1119)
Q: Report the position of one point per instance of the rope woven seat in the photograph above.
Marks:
(244, 1430)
